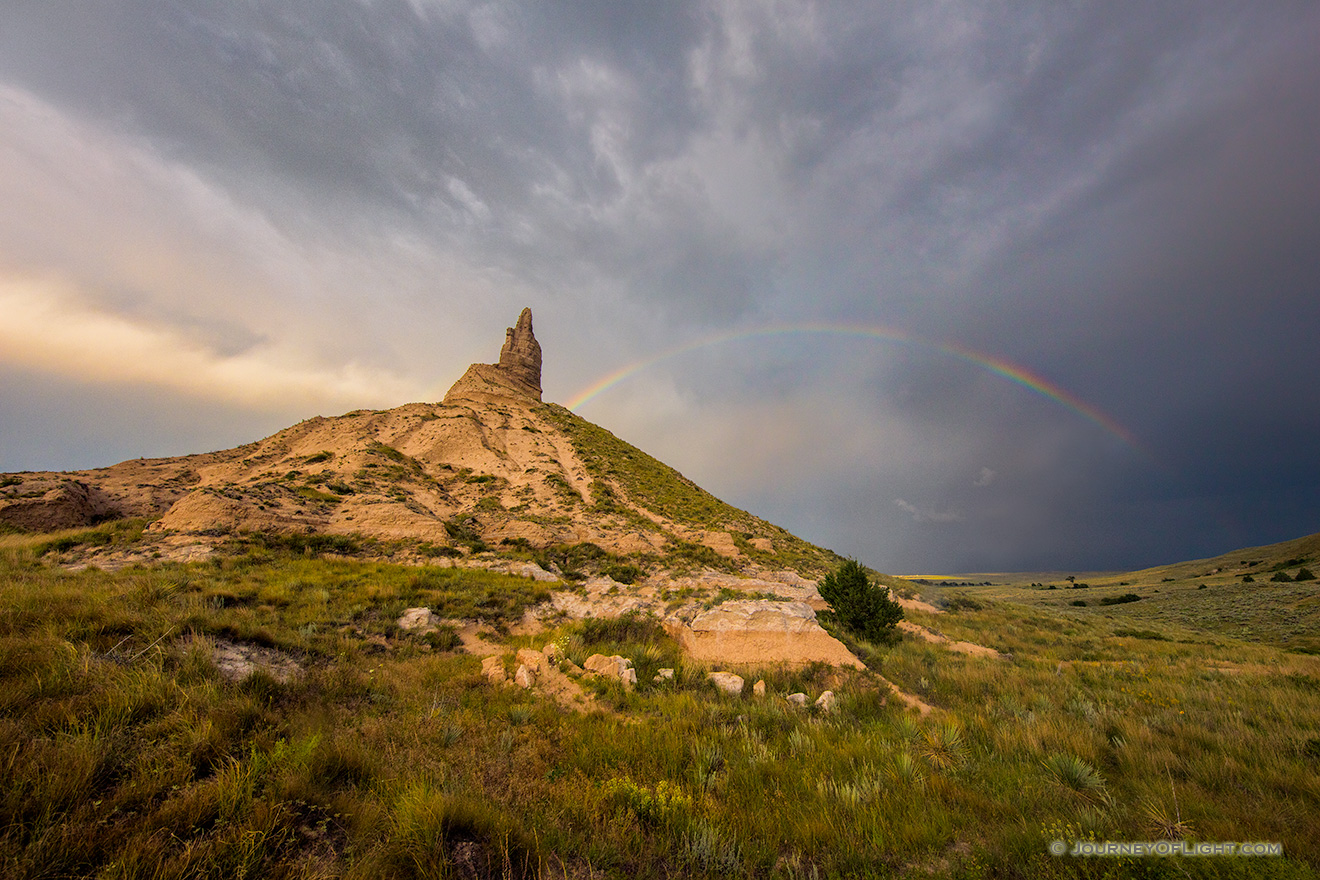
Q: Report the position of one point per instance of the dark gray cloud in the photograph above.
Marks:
(348, 198)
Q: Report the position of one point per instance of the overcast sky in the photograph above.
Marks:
(217, 219)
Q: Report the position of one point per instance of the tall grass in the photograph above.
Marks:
(125, 753)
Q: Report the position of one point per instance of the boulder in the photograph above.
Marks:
(727, 682)
(616, 667)
(758, 689)
(524, 677)
(799, 700)
(663, 675)
(493, 669)
(531, 658)
(826, 702)
(418, 620)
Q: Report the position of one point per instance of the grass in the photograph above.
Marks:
(125, 753)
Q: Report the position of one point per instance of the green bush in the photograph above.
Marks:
(862, 606)
(1120, 600)
(1304, 574)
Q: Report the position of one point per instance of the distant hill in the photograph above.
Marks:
(490, 467)
(1252, 594)
(1286, 555)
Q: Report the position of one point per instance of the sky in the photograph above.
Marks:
(943, 286)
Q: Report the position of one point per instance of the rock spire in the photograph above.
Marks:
(520, 358)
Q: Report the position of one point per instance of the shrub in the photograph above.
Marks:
(961, 603)
(624, 573)
(1280, 577)
(862, 606)
(1304, 574)
(1120, 600)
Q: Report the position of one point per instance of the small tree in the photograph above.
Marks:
(860, 605)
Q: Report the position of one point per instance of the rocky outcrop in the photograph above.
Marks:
(759, 631)
(68, 504)
(520, 358)
(614, 667)
(517, 375)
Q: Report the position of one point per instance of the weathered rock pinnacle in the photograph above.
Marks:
(520, 358)
(517, 375)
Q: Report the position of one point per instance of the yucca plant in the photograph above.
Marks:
(1164, 823)
(943, 745)
(906, 771)
(1079, 777)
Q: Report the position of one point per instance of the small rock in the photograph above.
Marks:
(531, 658)
(799, 700)
(600, 664)
(826, 702)
(629, 678)
(727, 682)
(418, 620)
(524, 677)
(550, 652)
(610, 667)
(664, 675)
(758, 689)
(568, 667)
(493, 669)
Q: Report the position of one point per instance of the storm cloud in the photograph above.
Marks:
(1079, 246)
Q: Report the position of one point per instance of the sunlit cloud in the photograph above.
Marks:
(45, 328)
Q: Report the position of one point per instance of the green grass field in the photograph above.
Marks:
(125, 753)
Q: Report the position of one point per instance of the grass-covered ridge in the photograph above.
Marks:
(124, 752)
(659, 488)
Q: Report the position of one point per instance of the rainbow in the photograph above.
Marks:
(1012, 372)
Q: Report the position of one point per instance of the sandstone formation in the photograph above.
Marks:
(490, 467)
(520, 357)
(45, 505)
(760, 631)
(615, 667)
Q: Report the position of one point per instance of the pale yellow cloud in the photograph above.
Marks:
(44, 327)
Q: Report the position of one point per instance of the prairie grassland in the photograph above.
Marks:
(125, 753)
